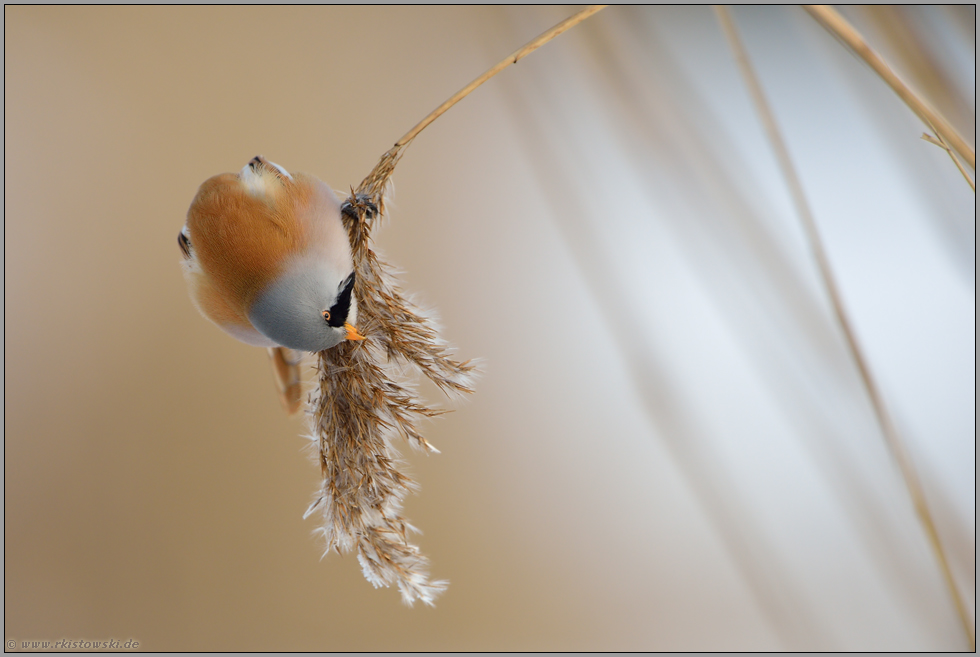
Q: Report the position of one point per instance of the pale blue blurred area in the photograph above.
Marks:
(667, 192)
(670, 447)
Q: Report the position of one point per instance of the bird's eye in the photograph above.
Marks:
(326, 315)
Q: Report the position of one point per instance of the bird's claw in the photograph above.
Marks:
(358, 205)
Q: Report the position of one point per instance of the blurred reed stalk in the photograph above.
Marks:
(892, 439)
(357, 407)
(844, 31)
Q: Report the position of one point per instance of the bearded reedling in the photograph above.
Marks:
(267, 259)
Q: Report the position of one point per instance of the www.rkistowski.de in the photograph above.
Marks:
(73, 644)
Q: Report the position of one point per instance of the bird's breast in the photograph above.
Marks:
(246, 239)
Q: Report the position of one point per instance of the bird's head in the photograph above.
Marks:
(310, 307)
(310, 304)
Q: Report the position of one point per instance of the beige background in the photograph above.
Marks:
(669, 448)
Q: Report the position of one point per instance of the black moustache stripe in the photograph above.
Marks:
(340, 310)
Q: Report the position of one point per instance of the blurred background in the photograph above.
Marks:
(670, 448)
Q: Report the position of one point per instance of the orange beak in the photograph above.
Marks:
(352, 333)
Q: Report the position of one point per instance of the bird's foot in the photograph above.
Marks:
(358, 205)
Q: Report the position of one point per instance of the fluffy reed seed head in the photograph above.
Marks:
(357, 407)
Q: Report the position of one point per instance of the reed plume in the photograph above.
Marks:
(357, 407)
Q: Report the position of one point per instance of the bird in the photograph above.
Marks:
(267, 259)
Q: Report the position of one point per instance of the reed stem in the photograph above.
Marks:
(839, 27)
(512, 58)
(891, 436)
(938, 141)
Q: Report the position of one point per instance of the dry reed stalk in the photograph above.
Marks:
(512, 58)
(938, 141)
(357, 407)
(892, 439)
(839, 27)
